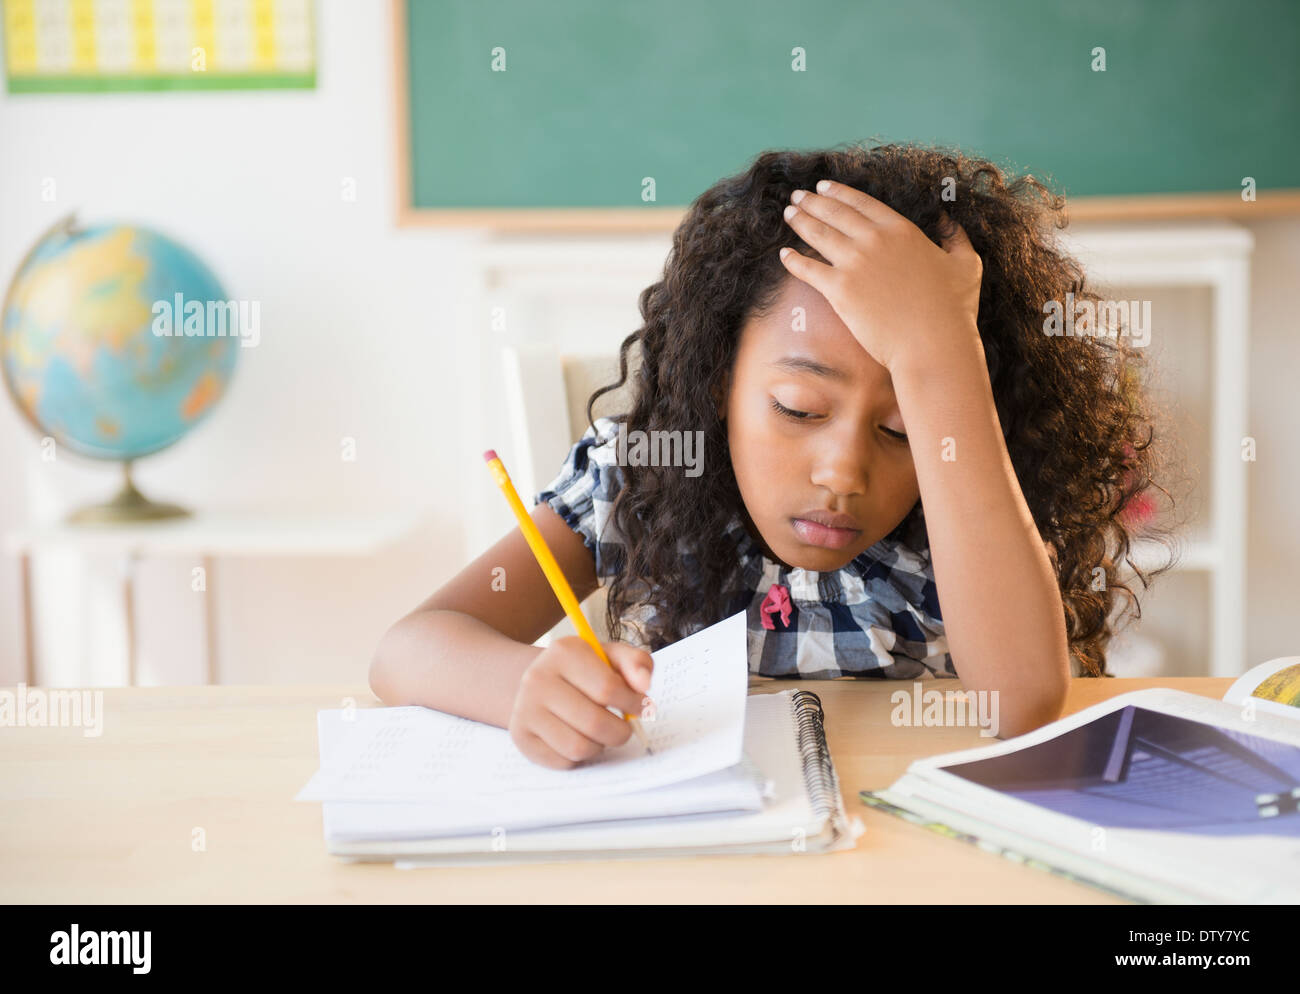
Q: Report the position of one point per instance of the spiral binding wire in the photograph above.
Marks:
(818, 770)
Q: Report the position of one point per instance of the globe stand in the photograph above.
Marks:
(129, 505)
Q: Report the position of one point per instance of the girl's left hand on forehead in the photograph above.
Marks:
(900, 295)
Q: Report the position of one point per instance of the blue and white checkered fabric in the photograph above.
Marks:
(876, 617)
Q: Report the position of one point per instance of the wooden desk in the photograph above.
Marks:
(110, 819)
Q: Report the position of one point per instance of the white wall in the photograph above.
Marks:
(361, 333)
(364, 333)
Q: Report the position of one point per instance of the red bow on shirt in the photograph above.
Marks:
(777, 600)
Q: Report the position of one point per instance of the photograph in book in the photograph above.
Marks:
(1137, 768)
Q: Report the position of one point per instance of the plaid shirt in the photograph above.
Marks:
(876, 617)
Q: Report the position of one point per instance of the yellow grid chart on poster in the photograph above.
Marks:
(54, 46)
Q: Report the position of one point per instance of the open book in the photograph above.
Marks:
(1158, 796)
(729, 773)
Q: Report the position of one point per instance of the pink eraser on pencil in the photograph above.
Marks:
(489, 455)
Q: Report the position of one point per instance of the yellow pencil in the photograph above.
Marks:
(553, 573)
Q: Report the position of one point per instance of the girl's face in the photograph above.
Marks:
(814, 428)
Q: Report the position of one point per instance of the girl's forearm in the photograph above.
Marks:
(1001, 605)
(451, 662)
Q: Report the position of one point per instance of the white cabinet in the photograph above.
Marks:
(1194, 258)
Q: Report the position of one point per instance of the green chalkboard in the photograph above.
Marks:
(596, 96)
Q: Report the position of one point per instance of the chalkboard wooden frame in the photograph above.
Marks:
(1136, 207)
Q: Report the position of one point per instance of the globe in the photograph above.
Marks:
(115, 341)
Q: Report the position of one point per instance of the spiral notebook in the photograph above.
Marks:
(731, 773)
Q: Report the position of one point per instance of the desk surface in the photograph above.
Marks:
(111, 819)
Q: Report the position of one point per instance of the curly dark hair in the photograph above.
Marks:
(1074, 410)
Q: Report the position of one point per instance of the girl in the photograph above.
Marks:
(888, 425)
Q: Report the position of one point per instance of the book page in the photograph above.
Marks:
(1162, 784)
(698, 688)
(1272, 687)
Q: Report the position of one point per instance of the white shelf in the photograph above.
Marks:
(529, 277)
(1213, 254)
(1197, 555)
(216, 533)
(207, 536)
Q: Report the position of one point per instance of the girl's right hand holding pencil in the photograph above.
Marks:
(560, 717)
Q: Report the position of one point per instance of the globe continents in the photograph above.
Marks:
(86, 351)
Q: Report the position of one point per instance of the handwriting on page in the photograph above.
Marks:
(698, 687)
(680, 696)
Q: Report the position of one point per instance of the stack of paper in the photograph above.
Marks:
(414, 773)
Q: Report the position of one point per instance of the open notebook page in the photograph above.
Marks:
(789, 821)
(698, 687)
(738, 789)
